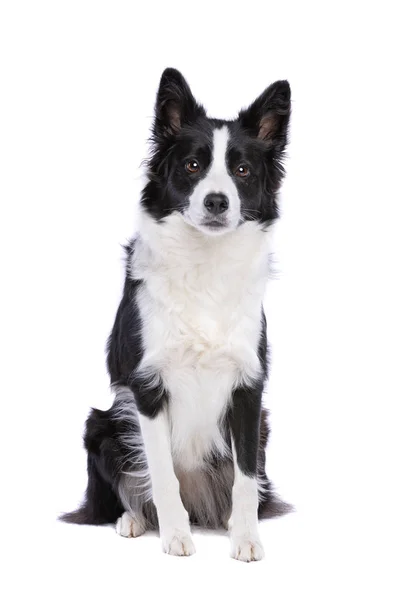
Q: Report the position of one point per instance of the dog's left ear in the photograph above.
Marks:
(268, 117)
(175, 104)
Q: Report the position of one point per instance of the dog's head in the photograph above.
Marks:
(216, 174)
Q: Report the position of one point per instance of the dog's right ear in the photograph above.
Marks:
(175, 105)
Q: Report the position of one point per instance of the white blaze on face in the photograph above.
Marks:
(217, 181)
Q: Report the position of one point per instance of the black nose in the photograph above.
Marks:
(216, 203)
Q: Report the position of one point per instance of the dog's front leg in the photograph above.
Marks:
(245, 430)
(173, 519)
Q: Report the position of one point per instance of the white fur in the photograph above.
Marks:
(125, 409)
(217, 180)
(130, 525)
(243, 524)
(200, 306)
(172, 517)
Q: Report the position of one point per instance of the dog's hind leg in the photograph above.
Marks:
(140, 514)
(131, 525)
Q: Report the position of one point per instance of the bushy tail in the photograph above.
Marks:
(272, 506)
(79, 516)
(101, 505)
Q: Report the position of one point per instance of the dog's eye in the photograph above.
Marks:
(242, 171)
(192, 166)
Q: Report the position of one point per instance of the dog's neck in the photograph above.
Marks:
(173, 243)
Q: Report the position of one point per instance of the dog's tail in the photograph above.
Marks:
(80, 516)
(272, 506)
(101, 504)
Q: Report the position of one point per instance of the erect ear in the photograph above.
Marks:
(268, 117)
(175, 104)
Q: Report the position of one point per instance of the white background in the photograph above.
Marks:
(78, 83)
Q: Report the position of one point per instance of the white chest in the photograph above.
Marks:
(200, 305)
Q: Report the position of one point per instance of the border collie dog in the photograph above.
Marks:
(184, 441)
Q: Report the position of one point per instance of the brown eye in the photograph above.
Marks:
(192, 166)
(242, 171)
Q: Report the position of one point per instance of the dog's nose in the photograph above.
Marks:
(216, 203)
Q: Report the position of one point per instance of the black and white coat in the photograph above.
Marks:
(184, 441)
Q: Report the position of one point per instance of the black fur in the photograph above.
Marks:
(191, 135)
(181, 130)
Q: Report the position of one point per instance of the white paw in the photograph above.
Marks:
(178, 543)
(130, 526)
(246, 548)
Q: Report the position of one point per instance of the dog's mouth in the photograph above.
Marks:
(214, 224)
(209, 224)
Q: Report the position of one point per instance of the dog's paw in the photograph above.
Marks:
(130, 526)
(178, 543)
(246, 548)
